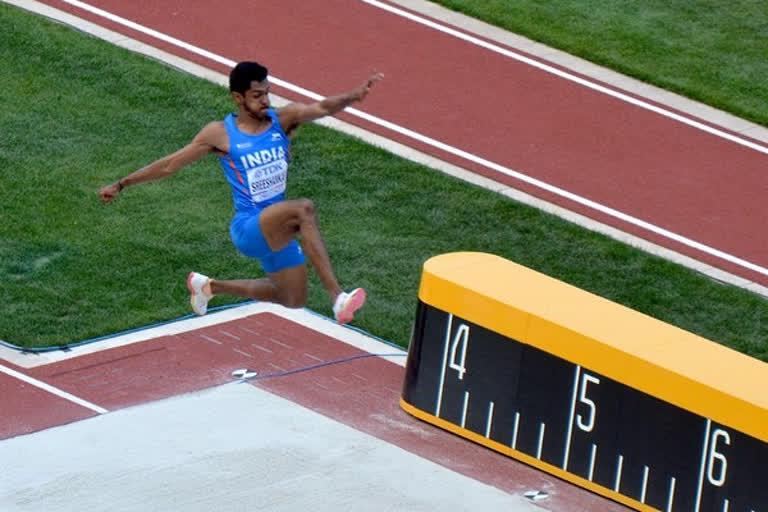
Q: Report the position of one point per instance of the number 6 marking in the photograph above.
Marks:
(715, 455)
(589, 425)
(462, 335)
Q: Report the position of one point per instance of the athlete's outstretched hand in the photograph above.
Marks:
(109, 192)
(364, 89)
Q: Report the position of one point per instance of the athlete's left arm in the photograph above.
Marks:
(295, 114)
(210, 139)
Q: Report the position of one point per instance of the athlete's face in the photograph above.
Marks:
(255, 101)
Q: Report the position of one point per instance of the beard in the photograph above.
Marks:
(255, 114)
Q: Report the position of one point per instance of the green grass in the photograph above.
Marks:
(79, 113)
(711, 51)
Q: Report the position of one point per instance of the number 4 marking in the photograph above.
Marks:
(462, 336)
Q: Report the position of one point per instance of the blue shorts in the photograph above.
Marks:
(246, 235)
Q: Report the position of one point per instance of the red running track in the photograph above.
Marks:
(671, 175)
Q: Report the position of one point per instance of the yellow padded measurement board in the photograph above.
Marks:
(596, 393)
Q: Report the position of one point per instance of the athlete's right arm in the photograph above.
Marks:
(209, 139)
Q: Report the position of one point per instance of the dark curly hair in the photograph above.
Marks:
(244, 73)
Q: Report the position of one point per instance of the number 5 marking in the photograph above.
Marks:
(590, 424)
(580, 381)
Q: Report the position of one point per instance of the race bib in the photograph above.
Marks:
(267, 181)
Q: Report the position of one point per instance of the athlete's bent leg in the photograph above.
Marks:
(282, 221)
(287, 287)
(202, 289)
(279, 224)
(258, 289)
(291, 286)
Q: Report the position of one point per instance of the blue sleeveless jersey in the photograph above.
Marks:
(257, 165)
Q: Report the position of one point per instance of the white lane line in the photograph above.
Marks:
(469, 156)
(565, 75)
(593, 205)
(150, 32)
(53, 390)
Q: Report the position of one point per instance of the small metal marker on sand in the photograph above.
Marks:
(244, 373)
(534, 495)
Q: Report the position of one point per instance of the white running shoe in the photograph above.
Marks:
(347, 303)
(198, 299)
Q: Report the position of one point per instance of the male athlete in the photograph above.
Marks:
(253, 148)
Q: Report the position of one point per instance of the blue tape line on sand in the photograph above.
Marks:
(318, 365)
